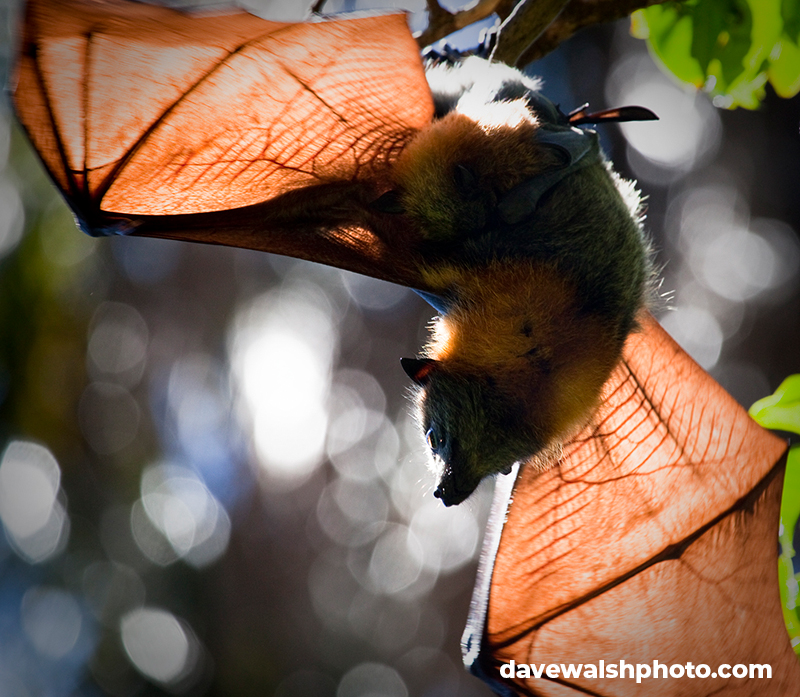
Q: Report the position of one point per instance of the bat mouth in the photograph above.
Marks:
(450, 493)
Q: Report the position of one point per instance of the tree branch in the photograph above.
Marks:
(577, 15)
(441, 22)
(525, 24)
(548, 22)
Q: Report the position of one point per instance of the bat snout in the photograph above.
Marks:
(452, 490)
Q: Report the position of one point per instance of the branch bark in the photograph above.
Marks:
(531, 28)
(528, 20)
(442, 22)
(577, 15)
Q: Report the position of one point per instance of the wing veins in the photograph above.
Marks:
(139, 143)
(670, 552)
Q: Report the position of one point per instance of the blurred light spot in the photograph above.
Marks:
(352, 513)
(160, 646)
(332, 589)
(282, 350)
(357, 406)
(112, 589)
(697, 331)
(411, 479)
(12, 217)
(374, 455)
(290, 417)
(736, 259)
(306, 683)
(145, 260)
(372, 680)
(396, 560)
(35, 520)
(109, 417)
(29, 482)
(118, 343)
(148, 538)
(688, 130)
(428, 663)
(339, 527)
(279, 10)
(52, 620)
(372, 293)
(185, 512)
(449, 536)
(387, 625)
(785, 246)
(361, 502)
(702, 211)
(737, 265)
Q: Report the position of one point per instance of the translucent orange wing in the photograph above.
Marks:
(655, 537)
(141, 112)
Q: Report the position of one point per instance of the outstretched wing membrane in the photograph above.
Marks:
(144, 115)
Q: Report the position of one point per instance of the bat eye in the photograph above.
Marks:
(434, 441)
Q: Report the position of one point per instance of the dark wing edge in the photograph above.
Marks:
(474, 652)
(331, 224)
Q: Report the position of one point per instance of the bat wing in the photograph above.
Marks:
(226, 128)
(655, 537)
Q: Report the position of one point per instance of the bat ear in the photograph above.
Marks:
(391, 202)
(577, 148)
(618, 114)
(418, 369)
(572, 143)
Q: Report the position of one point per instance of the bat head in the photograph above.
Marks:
(509, 376)
(471, 428)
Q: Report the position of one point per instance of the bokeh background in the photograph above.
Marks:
(210, 480)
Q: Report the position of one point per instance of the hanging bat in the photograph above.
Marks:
(324, 141)
(652, 533)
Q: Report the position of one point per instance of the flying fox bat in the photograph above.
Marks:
(324, 141)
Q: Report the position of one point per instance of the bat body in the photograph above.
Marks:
(323, 141)
(542, 267)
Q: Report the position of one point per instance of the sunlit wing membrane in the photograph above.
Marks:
(673, 569)
(142, 110)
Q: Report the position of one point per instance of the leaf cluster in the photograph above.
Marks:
(729, 48)
(781, 411)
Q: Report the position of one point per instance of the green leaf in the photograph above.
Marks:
(722, 30)
(790, 13)
(669, 28)
(790, 512)
(784, 71)
(729, 47)
(780, 410)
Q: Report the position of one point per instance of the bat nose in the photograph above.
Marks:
(450, 496)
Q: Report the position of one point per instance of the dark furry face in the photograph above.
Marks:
(472, 432)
